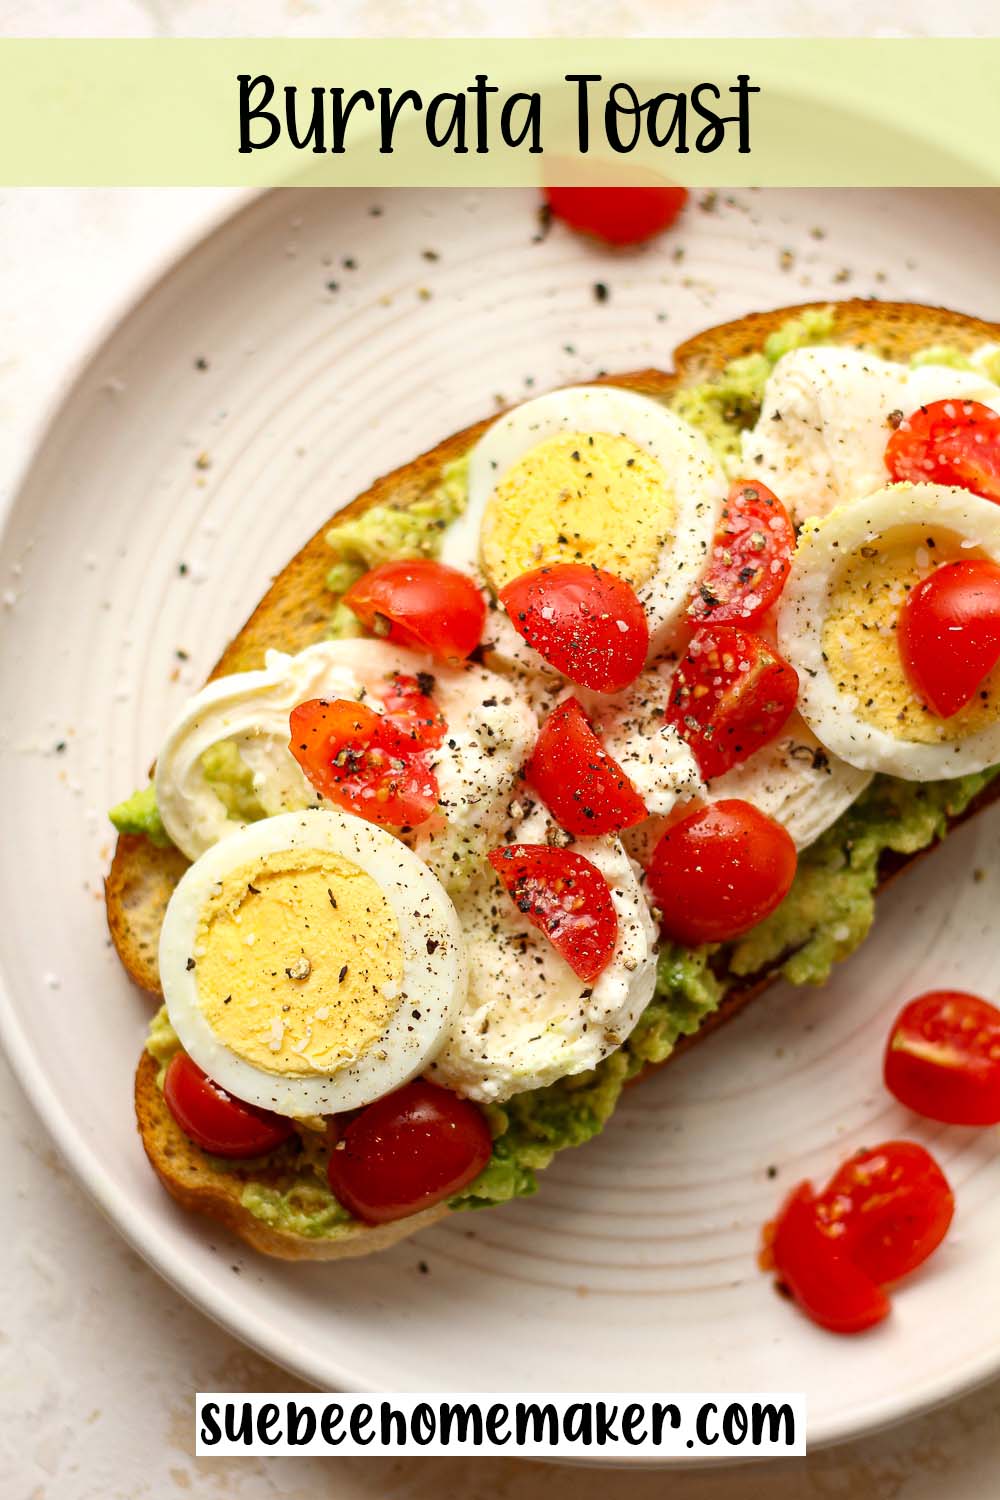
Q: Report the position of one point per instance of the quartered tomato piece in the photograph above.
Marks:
(407, 1151)
(887, 1209)
(410, 708)
(216, 1121)
(584, 788)
(355, 760)
(617, 215)
(943, 1058)
(422, 604)
(949, 633)
(948, 442)
(828, 1286)
(565, 896)
(751, 558)
(588, 623)
(731, 693)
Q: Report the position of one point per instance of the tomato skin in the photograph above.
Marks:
(407, 1151)
(943, 1058)
(566, 897)
(358, 760)
(887, 1209)
(423, 604)
(410, 709)
(827, 1285)
(949, 633)
(617, 215)
(215, 1120)
(951, 442)
(720, 871)
(584, 788)
(731, 693)
(751, 558)
(586, 622)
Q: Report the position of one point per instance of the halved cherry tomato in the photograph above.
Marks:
(216, 1121)
(943, 1058)
(720, 871)
(583, 787)
(565, 896)
(355, 759)
(588, 623)
(423, 604)
(949, 633)
(949, 442)
(751, 558)
(407, 1151)
(410, 708)
(828, 1286)
(887, 1209)
(731, 694)
(617, 215)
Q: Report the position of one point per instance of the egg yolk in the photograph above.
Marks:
(298, 962)
(579, 497)
(859, 636)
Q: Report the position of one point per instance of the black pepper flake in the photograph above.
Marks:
(342, 975)
(423, 1267)
(432, 945)
(333, 899)
(253, 889)
(60, 747)
(189, 965)
(201, 363)
(182, 569)
(601, 291)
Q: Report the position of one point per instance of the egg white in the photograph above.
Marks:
(434, 965)
(689, 466)
(832, 713)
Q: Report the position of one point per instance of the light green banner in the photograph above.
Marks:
(499, 113)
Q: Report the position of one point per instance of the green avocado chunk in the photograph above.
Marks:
(140, 814)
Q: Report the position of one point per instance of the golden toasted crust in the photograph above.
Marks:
(295, 611)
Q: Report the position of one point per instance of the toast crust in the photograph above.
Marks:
(294, 613)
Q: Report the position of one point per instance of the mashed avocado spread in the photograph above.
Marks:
(826, 914)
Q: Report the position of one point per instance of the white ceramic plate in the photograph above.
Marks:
(159, 504)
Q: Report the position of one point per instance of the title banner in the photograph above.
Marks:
(260, 112)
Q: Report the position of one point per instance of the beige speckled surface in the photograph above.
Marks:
(99, 1358)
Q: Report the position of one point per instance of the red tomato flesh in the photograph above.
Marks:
(216, 1121)
(422, 604)
(408, 1151)
(949, 633)
(949, 442)
(357, 760)
(829, 1287)
(587, 623)
(617, 215)
(720, 871)
(731, 694)
(887, 1209)
(750, 560)
(584, 788)
(943, 1058)
(566, 897)
(410, 709)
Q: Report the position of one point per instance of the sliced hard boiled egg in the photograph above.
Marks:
(528, 1020)
(591, 474)
(311, 963)
(226, 761)
(837, 626)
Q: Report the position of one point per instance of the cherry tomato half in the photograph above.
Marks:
(887, 1209)
(408, 1151)
(731, 694)
(751, 558)
(584, 788)
(356, 760)
(949, 442)
(422, 604)
(410, 709)
(588, 623)
(617, 215)
(943, 1058)
(566, 897)
(828, 1286)
(216, 1121)
(949, 633)
(720, 871)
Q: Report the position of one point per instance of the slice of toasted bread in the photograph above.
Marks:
(295, 612)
